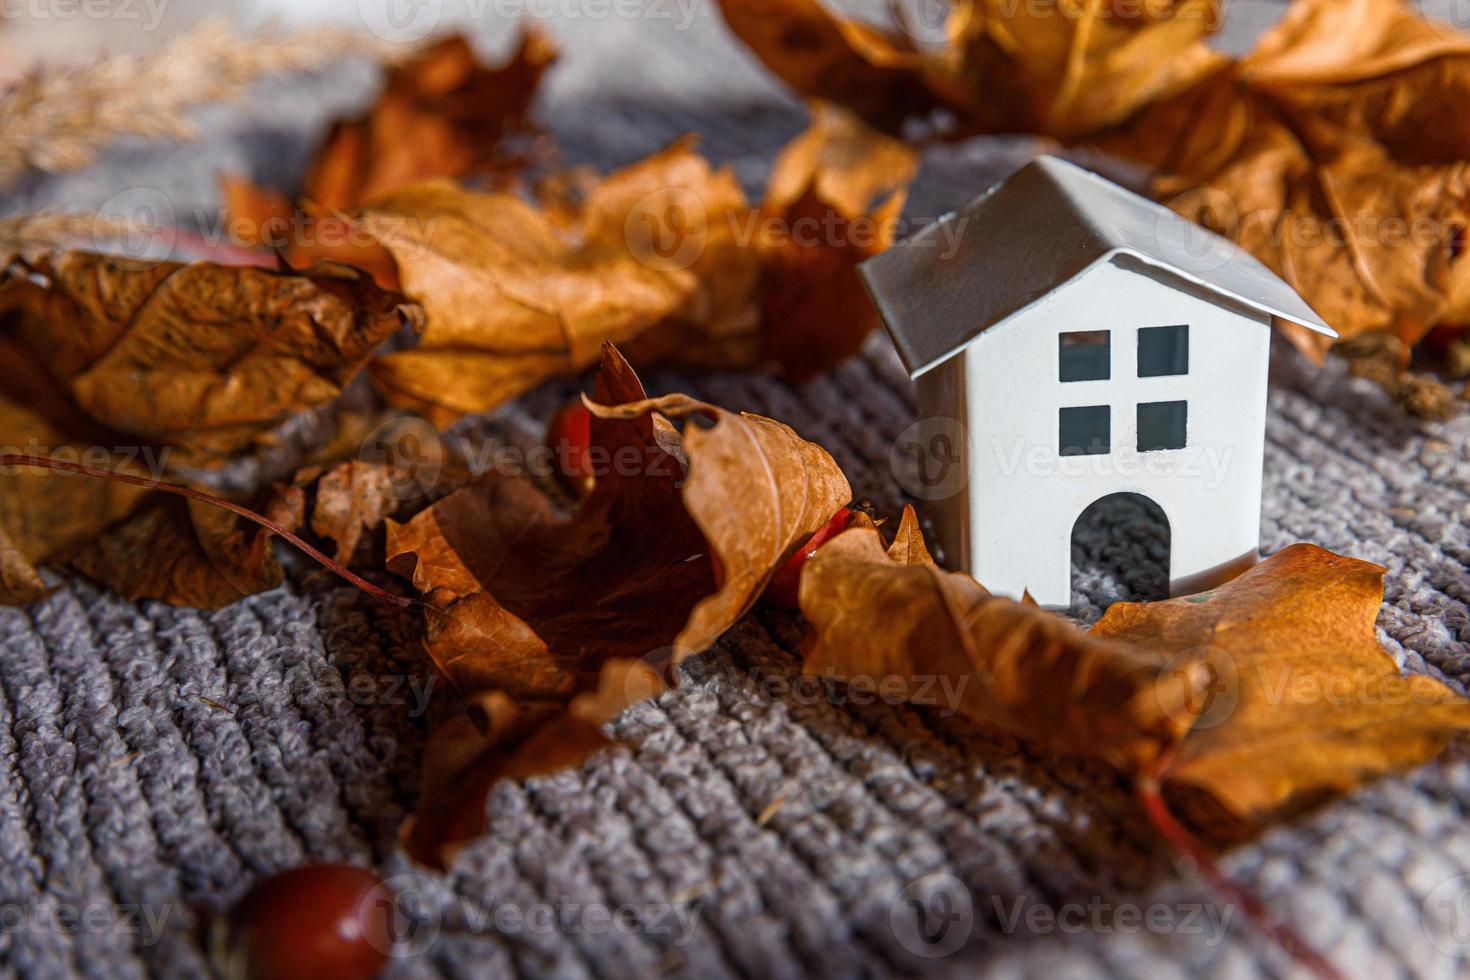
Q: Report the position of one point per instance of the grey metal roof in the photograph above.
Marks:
(972, 269)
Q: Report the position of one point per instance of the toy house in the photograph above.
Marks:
(1071, 340)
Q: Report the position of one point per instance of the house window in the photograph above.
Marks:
(1161, 425)
(1085, 355)
(1084, 431)
(1163, 351)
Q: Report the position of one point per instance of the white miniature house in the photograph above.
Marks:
(1072, 340)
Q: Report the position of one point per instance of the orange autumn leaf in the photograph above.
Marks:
(442, 113)
(1064, 68)
(893, 616)
(1304, 703)
(516, 294)
(834, 199)
(1252, 702)
(1338, 154)
(665, 258)
(820, 54)
(203, 357)
(263, 218)
(674, 544)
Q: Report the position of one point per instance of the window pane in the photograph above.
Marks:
(1161, 425)
(1163, 350)
(1084, 431)
(1085, 355)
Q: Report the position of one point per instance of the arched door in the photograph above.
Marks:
(1120, 549)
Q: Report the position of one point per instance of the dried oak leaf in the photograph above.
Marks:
(549, 624)
(1061, 68)
(1251, 702)
(1337, 152)
(1304, 703)
(203, 357)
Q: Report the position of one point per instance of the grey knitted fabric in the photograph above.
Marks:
(155, 761)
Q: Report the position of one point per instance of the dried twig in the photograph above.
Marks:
(27, 235)
(57, 118)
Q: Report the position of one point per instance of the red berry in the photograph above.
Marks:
(314, 922)
(570, 435)
(784, 587)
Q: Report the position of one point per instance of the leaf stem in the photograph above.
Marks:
(1151, 797)
(48, 463)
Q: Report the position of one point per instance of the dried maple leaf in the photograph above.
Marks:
(1338, 154)
(185, 552)
(442, 113)
(1251, 702)
(665, 257)
(674, 544)
(351, 499)
(814, 310)
(494, 737)
(45, 516)
(203, 357)
(1304, 704)
(516, 294)
(1062, 68)
(650, 559)
(894, 618)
